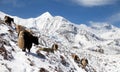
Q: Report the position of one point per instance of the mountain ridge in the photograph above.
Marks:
(100, 45)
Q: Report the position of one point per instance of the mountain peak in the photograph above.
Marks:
(46, 14)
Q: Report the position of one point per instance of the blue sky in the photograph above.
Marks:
(76, 11)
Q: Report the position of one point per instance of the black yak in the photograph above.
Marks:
(26, 39)
(8, 20)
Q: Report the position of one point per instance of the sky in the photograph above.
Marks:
(77, 11)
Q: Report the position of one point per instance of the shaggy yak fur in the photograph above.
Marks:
(26, 39)
(84, 62)
(8, 20)
(54, 48)
(19, 28)
(76, 58)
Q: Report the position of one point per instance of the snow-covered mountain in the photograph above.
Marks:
(100, 44)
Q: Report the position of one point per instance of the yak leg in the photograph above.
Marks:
(29, 47)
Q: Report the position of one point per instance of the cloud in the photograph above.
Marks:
(114, 18)
(98, 24)
(91, 3)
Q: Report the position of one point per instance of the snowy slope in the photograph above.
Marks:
(82, 40)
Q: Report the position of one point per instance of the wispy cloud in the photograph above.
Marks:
(97, 24)
(114, 18)
(91, 3)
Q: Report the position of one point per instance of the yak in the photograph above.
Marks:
(84, 62)
(54, 48)
(26, 39)
(8, 20)
(76, 58)
(19, 28)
